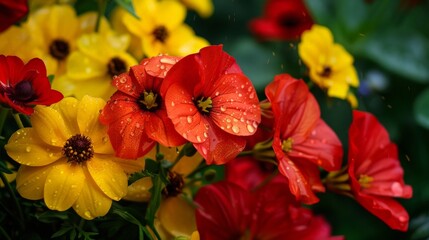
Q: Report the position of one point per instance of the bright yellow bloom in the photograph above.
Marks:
(54, 30)
(16, 41)
(67, 159)
(204, 8)
(331, 66)
(91, 68)
(161, 28)
(176, 215)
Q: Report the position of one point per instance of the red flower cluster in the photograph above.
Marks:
(11, 11)
(227, 211)
(204, 98)
(22, 86)
(282, 20)
(375, 171)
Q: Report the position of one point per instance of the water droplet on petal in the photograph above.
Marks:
(250, 128)
(223, 108)
(199, 139)
(396, 189)
(204, 150)
(189, 119)
(235, 129)
(173, 104)
(28, 149)
(87, 214)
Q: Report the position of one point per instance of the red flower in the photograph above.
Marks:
(227, 211)
(135, 114)
(303, 142)
(23, 86)
(11, 11)
(211, 103)
(375, 171)
(283, 20)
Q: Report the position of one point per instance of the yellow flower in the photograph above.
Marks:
(204, 8)
(54, 30)
(331, 66)
(161, 28)
(90, 69)
(16, 41)
(176, 215)
(67, 159)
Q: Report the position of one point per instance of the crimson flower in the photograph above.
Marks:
(11, 11)
(303, 142)
(211, 103)
(135, 114)
(375, 171)
(22, 86)
(282, 20)
(227, 211)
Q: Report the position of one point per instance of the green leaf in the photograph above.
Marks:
(62, 231)
(51, 216)
(154, 203)
(421, 108)
(420, 227)
(128, 6)
(151, 166)
(4, 168)
(51, 78)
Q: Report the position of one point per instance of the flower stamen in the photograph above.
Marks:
(78, 149)
(287, 145)
(59, 49)
(205, 104)
(149, 101)
(116, 66)
(365, 180)
(160, 33)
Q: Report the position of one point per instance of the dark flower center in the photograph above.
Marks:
(149, 101)
(175, 186)
(326, 72)
(59, 49)
(289, 21)
(23, 91)
(78, 149)
(160, 33)
(204, 105)
(116, 66)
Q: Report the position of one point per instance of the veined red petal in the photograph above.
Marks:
(160, 128)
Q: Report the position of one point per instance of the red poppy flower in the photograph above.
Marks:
(282, 20)
(211, 103)
(375, 171)
(23, 86)
(11, 11)
(227, 211)
(135, 114)
(303, 142)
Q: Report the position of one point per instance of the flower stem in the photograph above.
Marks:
(15, 199)
(101, 9)
(18, 120)
(3, 116)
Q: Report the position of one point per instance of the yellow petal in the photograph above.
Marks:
(187, 165)
(96, 87)
(59, 17)
(92, 202)
(83, 67)
(138, 191)
(68, 111)
(204, 8)
(338, 90)
(195, 236)
(169, 14)
(108, 176)
(30, 181)
(130, 165)
(352, 100)
(65, 85)
(49, 125)
(88, 112)
(63, 185)
(25, 147)
(153, 47)
(177, 216)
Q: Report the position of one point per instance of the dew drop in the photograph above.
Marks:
(199, 139)
(223, 108)
(122, 80)
(173, 104)
(28, 149)
(189, 119)
(250, 128)
(228, 120)
(205, 134)
(105, 139)
(396, 189)
(216, 94)
(235, 129)
(252, 95)
(87, 214)
(204, 150)
(137, 125)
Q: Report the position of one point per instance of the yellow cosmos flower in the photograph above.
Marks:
(67, 159)
(204, 8)
(161, 28)
(176, 215)
(331, 66)
(90, 69)
(16, 41)
(54, 30)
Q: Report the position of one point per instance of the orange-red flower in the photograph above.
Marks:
(375, 171)
(11, 11)
(22, 86)
(227, 211)
(136, 114)
(303, 142)
(282, 20)
(211, 103)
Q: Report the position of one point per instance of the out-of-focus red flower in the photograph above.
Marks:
(303, 142)
(282, 20)
(227, 211)
(22, 86)
(375, 171)
(211, 103)
(11, 11)
(135, 114)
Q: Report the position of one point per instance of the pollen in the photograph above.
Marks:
(78, 149)
(149, 100)
(365, 180)
(205, 104)
(287, 145)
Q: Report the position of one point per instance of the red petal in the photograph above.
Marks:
(15, 66)
(223, 212)
(160, 128)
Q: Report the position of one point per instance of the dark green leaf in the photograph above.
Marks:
(4, 168)
(151, 166)
(155, 201)
(51, 78)
(421, 108)
(62, 231)
(51, 216)
(128, 6)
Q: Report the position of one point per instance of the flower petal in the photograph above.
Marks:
(30, 181)
(82, 67)
(138, 191)
(63, 185)
(108, 176)
(68, 111)
(25, 147)
(177, 216)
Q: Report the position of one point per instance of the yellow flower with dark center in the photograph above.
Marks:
(54, 30)
(90, 69)
(67, 159)
(330, 65)
(161, 28)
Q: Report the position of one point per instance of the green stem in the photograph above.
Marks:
(245, 153)
(15, 199)
(3, 116)
(18, 120)
(101, 9)
(266, 180)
